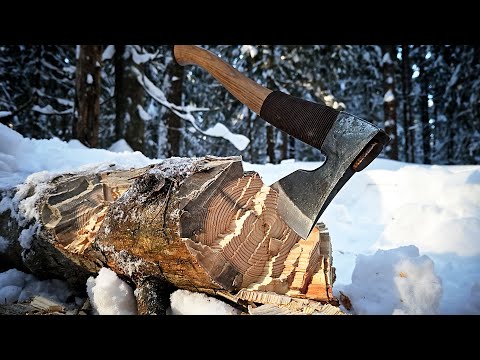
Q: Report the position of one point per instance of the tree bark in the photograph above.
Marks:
(271, 145)
(271, 140)
(129, 96)
(409, 131)
(196, 224)
(120, 96)
(284, 147)
(390, 103)
(86, 121)
(175, 74)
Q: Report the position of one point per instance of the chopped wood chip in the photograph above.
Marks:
(42, 303)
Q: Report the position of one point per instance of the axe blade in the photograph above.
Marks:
(304, 195)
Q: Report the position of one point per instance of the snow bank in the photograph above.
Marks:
(271, 173)
(120, 146)
(21, 157)
(109, 295)
(392, 204)
(397, 281)
(184, 302)
(443, 201)
(18, 286)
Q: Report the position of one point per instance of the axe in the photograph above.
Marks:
(349, 142)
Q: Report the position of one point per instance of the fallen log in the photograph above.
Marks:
(198, 224)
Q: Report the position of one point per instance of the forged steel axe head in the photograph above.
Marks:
(348, 142)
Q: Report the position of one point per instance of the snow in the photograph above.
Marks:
(108, 52)
(424, 219)
(388, 97)
(120, 146)
(89, 79)
(393, 204)
(271, 173)
(389, 123)
(65, 102)
(5, 113)
(397, 281)
(15, 286)
(145, 116)
(220, 130)
(26, 236)
(75, 144)
(21, 157)
(386, 59)
(109, 295)
(184, 302)
(141, 58)
(49, 110)
(250, 49)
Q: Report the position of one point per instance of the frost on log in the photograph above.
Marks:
(199, 224)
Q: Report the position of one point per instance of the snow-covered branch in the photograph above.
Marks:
(49, 110)
(185, 113)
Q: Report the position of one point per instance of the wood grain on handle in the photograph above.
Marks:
(247, 91)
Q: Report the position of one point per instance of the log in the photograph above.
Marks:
(199, 224)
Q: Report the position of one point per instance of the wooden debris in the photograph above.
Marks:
(271, 309)
(345, 301)
(44, 304)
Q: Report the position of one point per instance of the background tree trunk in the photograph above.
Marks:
(409, 131)
(129, 96)
(270, 130)
(389, 100)
(175, 74)
(120, 96)
(271, 145)
(424, 111)
(86, 122)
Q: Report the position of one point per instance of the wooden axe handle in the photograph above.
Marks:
(247, 91)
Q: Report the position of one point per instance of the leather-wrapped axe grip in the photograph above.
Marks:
(302, 119)
(307, 121)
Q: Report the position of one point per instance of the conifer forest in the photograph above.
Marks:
(426, 97)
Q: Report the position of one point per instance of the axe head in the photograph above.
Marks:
(350, 146)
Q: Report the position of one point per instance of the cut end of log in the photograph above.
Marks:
(242, 242)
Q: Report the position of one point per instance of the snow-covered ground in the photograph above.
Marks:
(406, 238)
(390, 205)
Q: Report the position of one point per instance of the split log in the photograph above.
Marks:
(198, 224)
